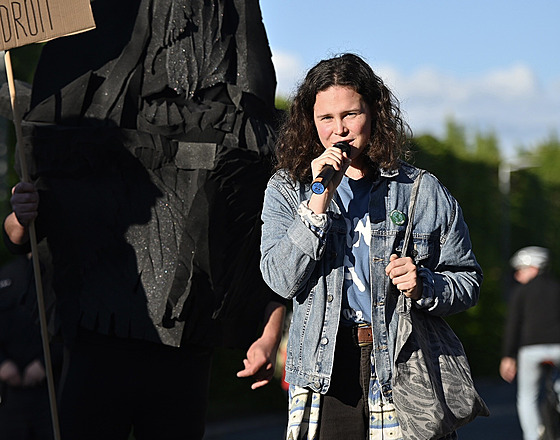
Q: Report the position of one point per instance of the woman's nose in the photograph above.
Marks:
(339, 128)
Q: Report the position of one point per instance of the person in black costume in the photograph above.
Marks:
(150, 153)
(24, 399)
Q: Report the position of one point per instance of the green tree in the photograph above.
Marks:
(455, 137)
(487, 148)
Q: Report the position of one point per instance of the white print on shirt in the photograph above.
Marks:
(358, 233)
(353, 315)
(350, 274)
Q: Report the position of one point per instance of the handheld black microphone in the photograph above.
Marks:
(327, 172)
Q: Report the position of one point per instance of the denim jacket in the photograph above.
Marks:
(307, 267)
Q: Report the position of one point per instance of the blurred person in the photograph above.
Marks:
(24, 401)
(532, 333)
(335, 254)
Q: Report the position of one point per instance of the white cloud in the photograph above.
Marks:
(289, 72)
(519, 81)
(509, 102)
(512, 83)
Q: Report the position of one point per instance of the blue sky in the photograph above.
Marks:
(493, 65)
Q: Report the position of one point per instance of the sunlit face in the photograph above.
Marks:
(341, 114)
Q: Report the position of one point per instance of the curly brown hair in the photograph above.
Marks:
(298, 142)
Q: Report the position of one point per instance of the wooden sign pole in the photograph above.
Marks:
(34, 252)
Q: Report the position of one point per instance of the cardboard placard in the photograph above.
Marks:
(34, 21)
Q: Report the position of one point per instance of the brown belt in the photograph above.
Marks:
(364, 334)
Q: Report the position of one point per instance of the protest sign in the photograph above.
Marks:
(33, 21)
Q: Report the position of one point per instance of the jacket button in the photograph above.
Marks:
(324, 341)
(330, 298)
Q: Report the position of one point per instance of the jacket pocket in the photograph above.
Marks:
(420, 248)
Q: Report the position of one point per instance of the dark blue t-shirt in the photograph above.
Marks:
(356, 299)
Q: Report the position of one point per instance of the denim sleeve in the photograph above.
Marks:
(452, 285)
(290, 248)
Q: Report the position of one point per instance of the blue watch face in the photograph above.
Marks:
(318, 188)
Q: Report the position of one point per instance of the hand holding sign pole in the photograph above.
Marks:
(34, 21)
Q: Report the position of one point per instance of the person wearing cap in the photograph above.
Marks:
(532, 333)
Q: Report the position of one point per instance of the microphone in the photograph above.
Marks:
(327, 172)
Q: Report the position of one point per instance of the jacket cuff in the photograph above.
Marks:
(318, 223)
(428, 295)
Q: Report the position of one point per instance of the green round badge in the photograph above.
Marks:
(397, 217)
